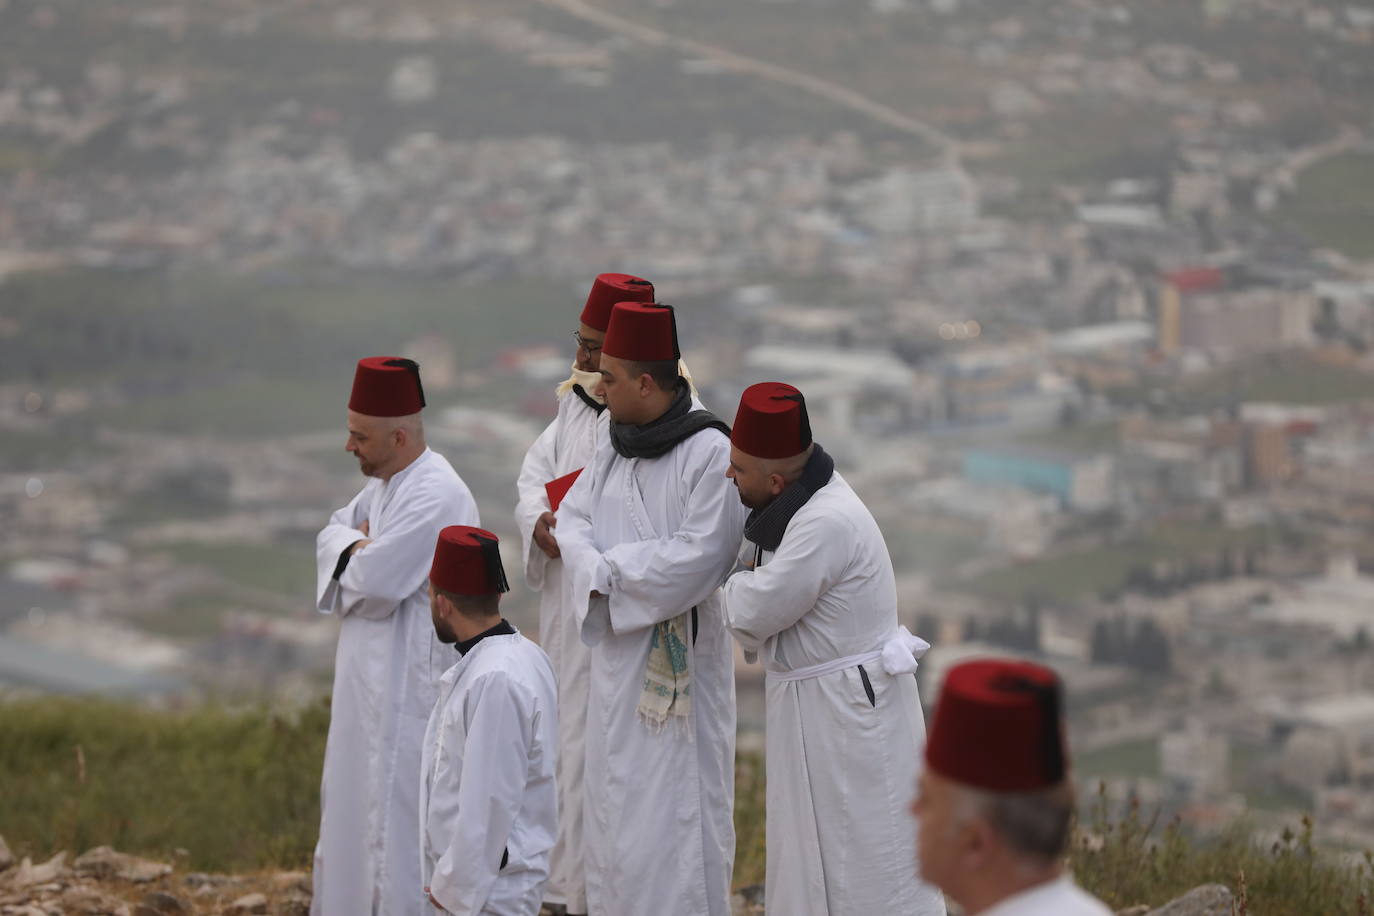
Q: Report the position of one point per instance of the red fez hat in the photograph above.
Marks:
(771, 421)
(387, 386)
(607, 290)
(467, 561)
(644, 332)
(998, 726)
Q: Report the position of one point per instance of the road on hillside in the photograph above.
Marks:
(833, 92)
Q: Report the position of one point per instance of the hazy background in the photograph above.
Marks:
(1081, 294)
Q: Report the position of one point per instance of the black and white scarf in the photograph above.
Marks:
(657, 437)
(765, 527)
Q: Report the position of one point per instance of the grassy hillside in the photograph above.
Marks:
(218, 790)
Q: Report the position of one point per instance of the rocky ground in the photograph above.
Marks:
(104, 882)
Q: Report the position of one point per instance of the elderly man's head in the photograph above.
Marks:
(967, 835)
(994, 803)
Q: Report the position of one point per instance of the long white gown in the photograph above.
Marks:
(657, 536)
(567, 444)
(386, 677)
(488, 800)
(841, 768)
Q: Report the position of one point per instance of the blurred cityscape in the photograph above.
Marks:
(1081, 295)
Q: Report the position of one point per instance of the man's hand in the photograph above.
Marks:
(358, 545)
(363, 528)
(543, 535)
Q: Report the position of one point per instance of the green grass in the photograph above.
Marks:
(1128, 861)
(287, 569)
(238, 791)
(205, 353)
(1334, 205)
(194, 615)
(1080, 437)
(935, 547)
(1079, 574)
(1133, 758)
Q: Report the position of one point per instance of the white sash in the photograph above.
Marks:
(898, 655)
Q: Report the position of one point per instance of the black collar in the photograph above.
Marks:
(464, 646)
(587, 399)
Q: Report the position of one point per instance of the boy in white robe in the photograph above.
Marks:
(488, 800)
(817, 598)
(995, 803)
(647, 534)
(372, 561)
(562, 450)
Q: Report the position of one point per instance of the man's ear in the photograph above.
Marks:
(776, 483)
(647, 385)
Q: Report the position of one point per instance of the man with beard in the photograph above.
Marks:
(488, 806)
(553, 461)
(647, 535)
(995, 803)
(844, 727)
(372, 562)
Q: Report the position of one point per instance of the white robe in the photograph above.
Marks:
(567, 444)
(386, 677)
(487, 790)
(841, 770)
(656, 537)
(1059, 897)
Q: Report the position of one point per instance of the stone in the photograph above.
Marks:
(1207, 900)
(104, 862)
(29, 875)
(6, 857)
(747, 901)
(293, 904)
(161, 903)
(87, 901)
(1140, 909)
(293, 880)
(250, 903)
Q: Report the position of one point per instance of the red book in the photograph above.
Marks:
(557, 489)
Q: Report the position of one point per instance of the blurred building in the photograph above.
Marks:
(1081, 482)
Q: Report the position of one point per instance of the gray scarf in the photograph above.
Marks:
(657, 437)
(766, 526)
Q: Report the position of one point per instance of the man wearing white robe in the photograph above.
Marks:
(648, 533)
(372, 562)
(564, 448)
(488, 805)
(845, 732)
(995, 801)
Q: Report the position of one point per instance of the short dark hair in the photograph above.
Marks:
(662, 371)
(474, 606)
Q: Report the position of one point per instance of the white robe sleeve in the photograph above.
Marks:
(471, 812)
(656, 579)
(397, 562)
(536, 470)
(575, 541)
(341, 531)
(766, 600)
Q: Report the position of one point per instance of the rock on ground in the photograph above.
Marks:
(249, 903)
(30, 875)
(6, 857)
(1207, 900)
(104, 862)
